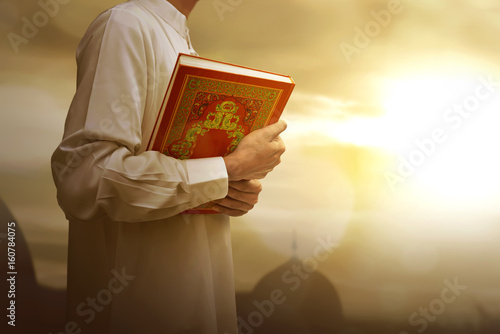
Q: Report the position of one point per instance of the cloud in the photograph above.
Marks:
(32, 123)
(302, 38)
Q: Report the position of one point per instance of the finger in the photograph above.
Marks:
(272, 131)
(260, 176)
(280, 142)
(279, 146)
(250, 198)
(248, 186)
(228, 211)
(234, 204)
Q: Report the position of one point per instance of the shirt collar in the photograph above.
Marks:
(169, 13)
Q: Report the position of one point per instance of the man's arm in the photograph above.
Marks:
(98, 169)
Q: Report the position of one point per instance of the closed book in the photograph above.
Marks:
(210, 106)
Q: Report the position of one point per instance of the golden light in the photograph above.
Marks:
(449, 144)
(413, 105)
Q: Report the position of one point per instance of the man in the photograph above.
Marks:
(134, 264)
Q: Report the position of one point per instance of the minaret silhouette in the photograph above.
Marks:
(294, 243)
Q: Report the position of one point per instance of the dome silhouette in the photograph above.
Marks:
(291, 299)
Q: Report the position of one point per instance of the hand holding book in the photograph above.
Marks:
(216, 109)
(257, 154)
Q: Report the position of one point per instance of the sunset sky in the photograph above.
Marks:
(392, 145)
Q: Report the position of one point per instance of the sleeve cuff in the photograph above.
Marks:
(208, 179)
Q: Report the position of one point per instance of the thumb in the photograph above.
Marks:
(274, 130)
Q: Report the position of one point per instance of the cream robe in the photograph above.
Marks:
(135, 266)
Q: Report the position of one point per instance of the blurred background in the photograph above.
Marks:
(391, 166)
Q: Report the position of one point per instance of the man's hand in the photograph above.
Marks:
(257, 154)
(241, 198)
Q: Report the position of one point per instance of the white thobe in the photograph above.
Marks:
(134, 264)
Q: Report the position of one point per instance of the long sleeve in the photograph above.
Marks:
(101, 166)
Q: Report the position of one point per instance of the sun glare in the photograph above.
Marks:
(439, 128)
(447, 141)
(412, 105)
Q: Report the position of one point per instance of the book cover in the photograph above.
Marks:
(210, 106)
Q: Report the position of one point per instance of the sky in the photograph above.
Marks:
(391, 145)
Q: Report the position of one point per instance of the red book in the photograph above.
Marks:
(210, 106)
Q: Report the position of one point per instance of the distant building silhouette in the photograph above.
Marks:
(291, 299)
(37, 309)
